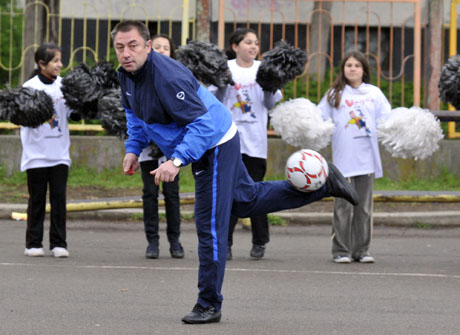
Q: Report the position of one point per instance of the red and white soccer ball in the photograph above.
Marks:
(306, 170)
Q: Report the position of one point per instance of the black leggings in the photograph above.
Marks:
(37, 181)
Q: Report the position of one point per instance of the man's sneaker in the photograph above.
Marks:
(341, 259)
(366, 259)
(34, 252)
(152, 251)
(229, 254)
(257, 251)
(176, 250)
(199, 314)
(339, 187)
(59, 252)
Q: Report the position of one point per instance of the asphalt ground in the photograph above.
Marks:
(106, 286)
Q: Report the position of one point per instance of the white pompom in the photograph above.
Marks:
(410, 132)
(299, 123)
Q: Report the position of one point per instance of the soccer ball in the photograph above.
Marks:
(306, 170)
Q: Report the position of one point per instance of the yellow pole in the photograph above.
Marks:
(451, 133)
(185, 30)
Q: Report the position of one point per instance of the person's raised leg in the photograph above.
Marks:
(256, 198)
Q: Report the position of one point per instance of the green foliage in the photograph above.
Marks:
(421, 225)
(114, 178)
(274, 220)
(10, 42)
(445, 181)
(17, 178)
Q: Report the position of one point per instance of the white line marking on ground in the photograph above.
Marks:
(123, 267)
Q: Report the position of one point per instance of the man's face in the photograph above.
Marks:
(131, 49)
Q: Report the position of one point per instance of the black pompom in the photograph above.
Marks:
(31, 107)
(207, 62)
(7, 104)
(112, 114)
(105, 76)
(155, 151)
(81, 92)
(279, 66)
(449, 82)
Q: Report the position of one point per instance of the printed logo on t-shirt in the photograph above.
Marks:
(180, 95)
(357, 121)
(243, 100)
(55, 129)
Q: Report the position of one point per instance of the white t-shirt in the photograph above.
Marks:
(48, 144)
(355, 149)
(245, 100)
(145, 156)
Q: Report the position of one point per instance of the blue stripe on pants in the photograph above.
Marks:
(215, 177)
(214, 205)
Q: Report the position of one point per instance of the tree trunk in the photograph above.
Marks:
(433, 60)
(319, 38)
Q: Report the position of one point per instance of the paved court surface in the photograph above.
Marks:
(108, 287)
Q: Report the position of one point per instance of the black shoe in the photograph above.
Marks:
(229, 254)
(176, 250)
(339, 187)
(152, 251)
(200, 314)
(257, 251)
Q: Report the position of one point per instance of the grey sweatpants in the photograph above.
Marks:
(352, 225)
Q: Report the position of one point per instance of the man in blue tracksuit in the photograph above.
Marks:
(166, 104)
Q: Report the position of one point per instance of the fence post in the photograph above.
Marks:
(185, 14)
(203, 21)
(433, 62)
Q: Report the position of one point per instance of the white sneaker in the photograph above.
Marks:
(366, 259)
(60, 252)
(341, 259)
(34, 252)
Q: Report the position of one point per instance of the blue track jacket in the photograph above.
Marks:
(166, 104)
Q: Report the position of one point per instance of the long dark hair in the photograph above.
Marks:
(334, 94)
(235, 38)
(172, 47)
(44, 54)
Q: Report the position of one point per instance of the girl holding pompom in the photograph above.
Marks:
(356, 107)
(46, 158)
(249, 106)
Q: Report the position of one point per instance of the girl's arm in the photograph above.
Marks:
(270, 99)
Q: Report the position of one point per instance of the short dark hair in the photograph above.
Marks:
(128, 25)
(172, 47)
(44, 54)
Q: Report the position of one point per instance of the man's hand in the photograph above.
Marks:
(166, 172)
(130, 164)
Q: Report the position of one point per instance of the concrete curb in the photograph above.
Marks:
(435, 219)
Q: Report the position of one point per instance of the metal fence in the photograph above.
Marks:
(389, 32)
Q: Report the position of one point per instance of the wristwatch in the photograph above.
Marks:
(176, 162)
